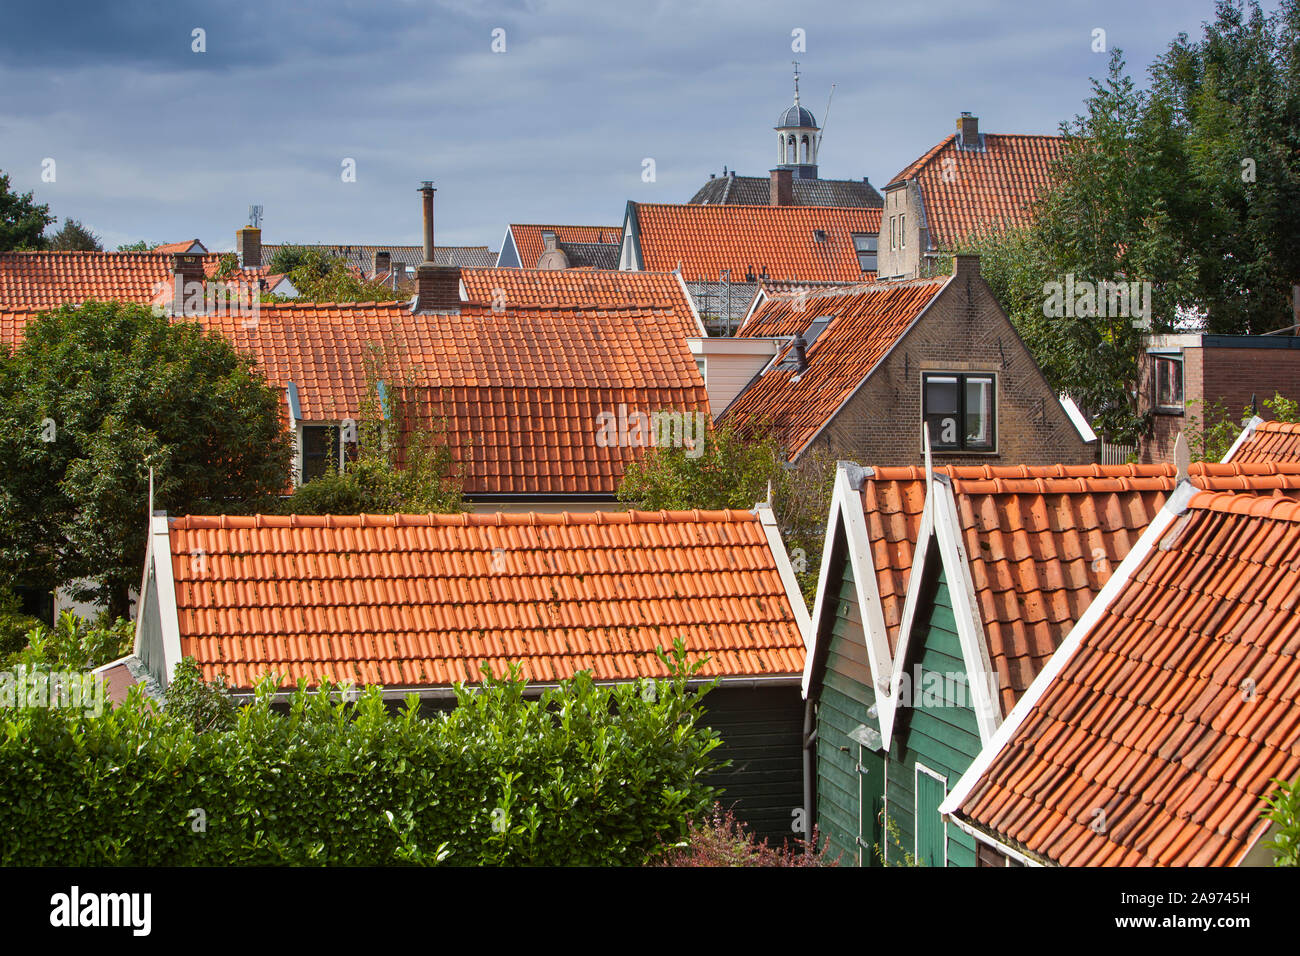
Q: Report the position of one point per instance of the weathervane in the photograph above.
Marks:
(796, 81)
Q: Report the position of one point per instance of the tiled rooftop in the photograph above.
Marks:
(867, 321)
(362, 257)
(586, 287)
(781, 240)
(1176, 709)
(1041, 542)
(490, 375)
(757, 191)
(43, 280)
(425, 600)
(969, 190)
(1270, 441)
(530, 245)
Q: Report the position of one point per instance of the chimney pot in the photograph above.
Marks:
(781, 188)
(426, 192)
(248, 243)
(187, 271)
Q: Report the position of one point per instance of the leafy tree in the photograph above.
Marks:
(72, 236)
(140, 246)
(94, 397)
(1284, 810)
(412, 472)
(321, 276)
(22, 221)
(14, 624)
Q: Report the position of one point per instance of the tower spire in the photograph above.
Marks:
(796, 81)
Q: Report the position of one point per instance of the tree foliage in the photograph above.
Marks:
(1283, 810)
(96, 395)
(580, 775)
(72, 236)
(22, 219)
(74, 643)
(321, 276)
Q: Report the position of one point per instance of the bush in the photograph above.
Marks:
(584, 775)
(719, 839)
(77, 644)
(1284, 810)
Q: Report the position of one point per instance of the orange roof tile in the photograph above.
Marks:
(782, 240)
(966, 191)
(509, 385)
(867, 321)
(426, 600)
(1171, 714)
(587, 287)
(530, 246)
(1041, 542)
(170, 247)
(1270, 441)
(43, 280)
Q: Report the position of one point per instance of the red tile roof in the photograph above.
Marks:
(1041, 542)
(704, 240)
(588, 287)
(530, 246)
(43, 280)
(966, 191)
(1157, 739)
(426, 600)
(1270, 441)
(867, 321)
(169, 247)
(521, 383)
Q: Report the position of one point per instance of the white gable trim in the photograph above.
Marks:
(1246, 432)
(160, 554)
(846, 512)
(508, 239)
(767, 520)
(1174, 506)
(690, 301)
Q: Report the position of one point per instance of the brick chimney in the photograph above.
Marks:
(248, 244)
(968, 131)
(187, 271)
(781, 191)
(966, 266)
(437, 288)
(383, 262)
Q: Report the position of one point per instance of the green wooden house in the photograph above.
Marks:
(942, 594)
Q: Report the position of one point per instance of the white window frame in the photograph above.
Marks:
(960, 375)
(300, 451)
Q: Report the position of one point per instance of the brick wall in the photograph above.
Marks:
(1228, 376)
(963, 330)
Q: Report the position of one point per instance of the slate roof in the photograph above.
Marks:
(489, 374)
(965, 191)
(780, 241)
(530, 245)
(569, 287)
(868, 320)
(425, 600)
(1041, 542)
(363, 257)
(1270, 441)
(756, 191)
(1156, 740)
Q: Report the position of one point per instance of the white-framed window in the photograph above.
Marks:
(324, 447)
(702, 363)
(960, 409)
(893, 232)
(1168, 382)
(902, 231)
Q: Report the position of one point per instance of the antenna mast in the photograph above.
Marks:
(825, 118)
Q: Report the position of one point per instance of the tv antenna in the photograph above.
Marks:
(825, 118)
(255, 216)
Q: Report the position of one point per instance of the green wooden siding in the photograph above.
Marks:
(930, 792)
(939, 728)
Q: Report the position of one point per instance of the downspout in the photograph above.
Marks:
(809, 741)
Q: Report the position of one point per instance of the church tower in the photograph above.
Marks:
(796, 138)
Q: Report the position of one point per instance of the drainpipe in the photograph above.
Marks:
(809, 741)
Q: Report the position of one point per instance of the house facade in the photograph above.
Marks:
(861, 370)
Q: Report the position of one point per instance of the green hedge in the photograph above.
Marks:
(585, 775)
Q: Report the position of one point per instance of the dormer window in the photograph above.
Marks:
(864, 244)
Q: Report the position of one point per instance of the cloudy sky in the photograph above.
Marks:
(152, 140)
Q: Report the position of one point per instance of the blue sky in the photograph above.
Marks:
(152, 140)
